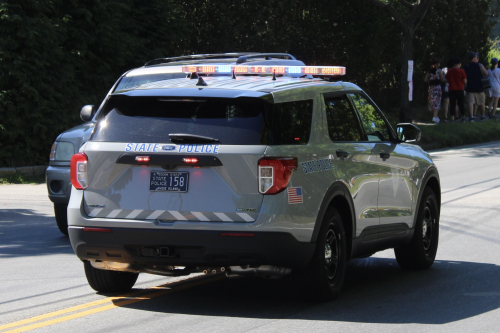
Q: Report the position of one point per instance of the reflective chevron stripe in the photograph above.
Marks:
(177, 215)
(223, 217)
(246, 217)
(200, 216)
(170, 215)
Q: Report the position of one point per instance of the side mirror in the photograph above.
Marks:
(87, 112)
(408, 132)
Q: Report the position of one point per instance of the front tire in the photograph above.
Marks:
(421, 251)
(105, 281)
(324, 277)
(61, 214)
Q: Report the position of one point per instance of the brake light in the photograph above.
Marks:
(78, 171)
(275, 174)
(142, 159)
(190, 160)
(53, 152)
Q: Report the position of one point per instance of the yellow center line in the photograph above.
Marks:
(117, 301)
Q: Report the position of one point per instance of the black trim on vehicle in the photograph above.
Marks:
(430, 173)
(191, 248)
(380, 237)
(170, 160)
(336, 189)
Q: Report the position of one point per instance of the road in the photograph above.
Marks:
(43, 286)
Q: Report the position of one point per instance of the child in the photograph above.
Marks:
(457, 79)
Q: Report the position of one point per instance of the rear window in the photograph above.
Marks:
(233, 121)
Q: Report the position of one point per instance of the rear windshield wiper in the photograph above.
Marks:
(181, 137)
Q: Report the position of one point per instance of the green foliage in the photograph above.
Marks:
(459, 134)
(21, 179)
(452, 28)
(494, 51)
(58, 55)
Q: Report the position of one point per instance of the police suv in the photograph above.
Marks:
(67, 143)
(270, 170)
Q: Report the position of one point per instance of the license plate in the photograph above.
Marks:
(169, 181)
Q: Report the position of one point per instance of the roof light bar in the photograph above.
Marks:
(304, 70)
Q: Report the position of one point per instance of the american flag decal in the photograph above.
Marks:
(295, 195)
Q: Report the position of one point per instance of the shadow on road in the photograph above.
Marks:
(26, 233)
(468, 152)
(376, 291)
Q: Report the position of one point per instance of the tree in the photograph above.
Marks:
(409, 19)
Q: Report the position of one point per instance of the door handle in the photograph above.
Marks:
(384, 156)
(342, 153)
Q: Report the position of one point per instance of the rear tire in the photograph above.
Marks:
(324, 277)
(61, 213)
(105, 281)
(421, 251)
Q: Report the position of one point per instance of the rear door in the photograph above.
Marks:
(359, 169)
(395, 166)
(138, 171)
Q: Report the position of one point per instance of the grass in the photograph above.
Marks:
(21, 179)
(447, 135)
(459, 134)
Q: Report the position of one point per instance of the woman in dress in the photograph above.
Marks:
(435, 77)
(494, 74)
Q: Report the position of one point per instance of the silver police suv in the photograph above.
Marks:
(70, 141)
(254, 173)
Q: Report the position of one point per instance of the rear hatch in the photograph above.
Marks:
(181, 159)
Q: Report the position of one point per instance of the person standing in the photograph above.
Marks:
(457, 79)
(494, 74)
(435, 77)
(445, 100)
(475, 93)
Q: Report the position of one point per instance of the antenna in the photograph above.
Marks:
(201, 82)
(234, 76)
(274, 75)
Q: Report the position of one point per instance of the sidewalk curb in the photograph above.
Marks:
(37, 170)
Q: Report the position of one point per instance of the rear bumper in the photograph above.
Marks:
(58, 184)
(191, 248)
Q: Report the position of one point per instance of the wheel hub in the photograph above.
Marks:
(328, 252)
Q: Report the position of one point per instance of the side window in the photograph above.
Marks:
(372, 121)
(343, 124)
(290, 123)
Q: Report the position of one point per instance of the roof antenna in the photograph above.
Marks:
(194, 75)
(201, 82)
(274, 74)
(234, 76)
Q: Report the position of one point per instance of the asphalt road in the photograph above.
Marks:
(43, 286)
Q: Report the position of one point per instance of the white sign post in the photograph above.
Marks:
(410, 80)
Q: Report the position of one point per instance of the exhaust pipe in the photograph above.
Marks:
(265, 270)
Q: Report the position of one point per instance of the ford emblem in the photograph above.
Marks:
(167, 147)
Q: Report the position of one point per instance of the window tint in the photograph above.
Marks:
(291, 122)
(343, 124)
(237, 121)
(372, 121)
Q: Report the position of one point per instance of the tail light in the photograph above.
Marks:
(275, 174)
(53, 151)
(79, 174)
